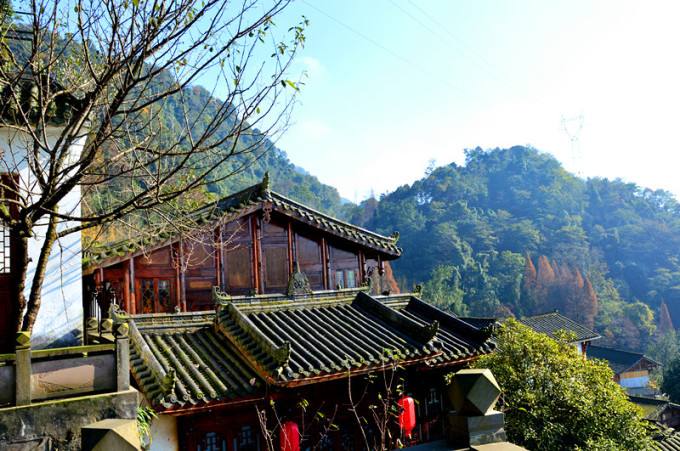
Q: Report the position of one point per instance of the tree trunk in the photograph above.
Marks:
(39, 276)
(21, 263)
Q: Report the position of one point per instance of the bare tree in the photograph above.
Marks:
(106, 72)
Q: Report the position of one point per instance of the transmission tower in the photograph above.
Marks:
(572, 127)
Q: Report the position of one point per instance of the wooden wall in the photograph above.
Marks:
(243, 257)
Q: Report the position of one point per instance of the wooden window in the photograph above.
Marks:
(310, 260)
(147, 295)
(246, 440)
(212, 441)
(238, 257)
(155, 295)
(275, 269)
(5, 249)
(345, 278)
(344, 267)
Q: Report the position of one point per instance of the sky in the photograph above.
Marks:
(394, 84)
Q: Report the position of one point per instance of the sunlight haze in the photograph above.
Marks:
(393, 85)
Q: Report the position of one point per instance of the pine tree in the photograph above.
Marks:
(665, 320)
(529, 281)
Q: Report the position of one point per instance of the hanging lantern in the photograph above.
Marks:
(290, 436)
(407, 417)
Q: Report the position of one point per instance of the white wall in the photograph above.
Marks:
(635, 382)
(60, 318)
(164, 434)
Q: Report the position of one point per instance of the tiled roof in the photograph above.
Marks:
(180, 361)
(551, 323)
(288, 341)
(327, 334)
(240, 204)
(668, 440)
(653, 407)
(479, 322)
(619, 360)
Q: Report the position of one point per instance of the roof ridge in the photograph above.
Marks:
(345, 223)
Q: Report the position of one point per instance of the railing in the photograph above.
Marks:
(36, 375)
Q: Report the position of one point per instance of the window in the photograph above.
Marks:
(212, 442)
(155, 295)
(345, 279)
(245, 440)
(164, 295)
(147, 295)
(4, 249)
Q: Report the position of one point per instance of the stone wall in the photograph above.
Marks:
(56, 425)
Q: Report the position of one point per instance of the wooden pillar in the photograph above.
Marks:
(256, 253)
(324, 264)
(362, 269)
(223, 250)
(126, 287)
(131, 286)
(217, 246)
(182, 279)
(178, 278)
(291, 248)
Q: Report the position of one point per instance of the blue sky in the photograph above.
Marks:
(394, 84)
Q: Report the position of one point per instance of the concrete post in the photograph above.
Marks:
(22, 369)
(121, 332)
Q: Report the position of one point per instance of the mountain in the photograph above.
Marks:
(471, 234)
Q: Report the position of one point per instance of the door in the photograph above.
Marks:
(155, 295)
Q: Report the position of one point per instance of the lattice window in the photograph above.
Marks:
(164, 294)
(212, 442)
(147, 295)
(5, 253)
(245, 440)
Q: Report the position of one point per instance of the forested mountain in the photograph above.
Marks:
(253, 155)
(511, 232)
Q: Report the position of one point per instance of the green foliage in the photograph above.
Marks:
(556, 400)
(443, 290)
(671, 380)
(145, 416)
(621, 238)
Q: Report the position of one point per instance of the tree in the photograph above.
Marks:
(443, 290)
(556, 400)
(665, 321)
(107, 71)
(671, 379)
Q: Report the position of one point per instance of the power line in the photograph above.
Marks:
(411, 64)
(481, 62)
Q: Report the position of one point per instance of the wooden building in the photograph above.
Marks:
(208, 372)
(632, 370)
(259, 238)
(296, 307)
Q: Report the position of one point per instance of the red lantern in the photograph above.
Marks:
(290, 436)
(407, 417)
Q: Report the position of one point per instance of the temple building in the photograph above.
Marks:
(293, 326)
